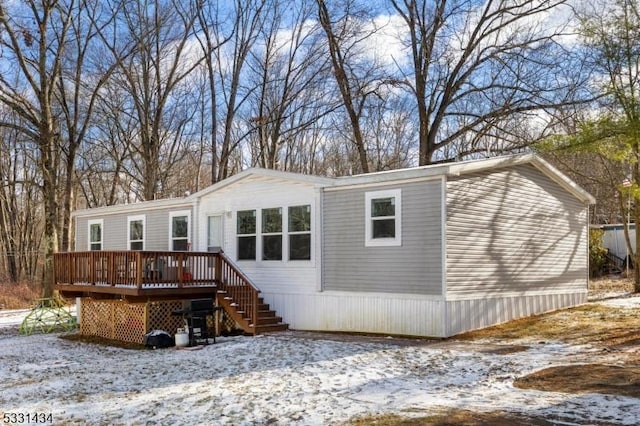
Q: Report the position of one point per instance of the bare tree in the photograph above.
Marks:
(33, 38)
(289, 67)
(105, 169)
(155, 76)
(20, 201)
(247, 18)
(473, 65)
(84, 72)
(357, 78)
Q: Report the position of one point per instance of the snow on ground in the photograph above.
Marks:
(285, 378)
(624, 303)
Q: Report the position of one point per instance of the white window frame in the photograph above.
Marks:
(89, 242)
(290, 233)
(256, 234)
(272, 234)
(144, 230)
(369, 241)
(179, 213)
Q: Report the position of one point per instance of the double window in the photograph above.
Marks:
(383, 218)
(275, 240)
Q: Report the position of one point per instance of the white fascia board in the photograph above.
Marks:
(465, 167)
(134, 207)
(473, 166)
(434, 170)
(459, 169)
(317, 181)
(563, 180)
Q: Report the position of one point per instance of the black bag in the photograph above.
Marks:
(158, 339)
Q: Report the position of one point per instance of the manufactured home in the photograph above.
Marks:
(428, 251)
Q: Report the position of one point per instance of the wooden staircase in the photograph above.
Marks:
(614, 264)
(241, 299)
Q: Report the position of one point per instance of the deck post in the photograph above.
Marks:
(139, 269)
(218, 269)
(92, 267)
(111, 271)
(69, 266)
(180, 259)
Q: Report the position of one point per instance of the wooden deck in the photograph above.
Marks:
(146, 275)
(136, 273)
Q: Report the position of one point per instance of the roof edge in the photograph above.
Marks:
(258, 171)
(121, 208)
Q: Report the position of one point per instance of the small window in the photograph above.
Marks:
(135, 233)
(383, 218)
(272, 234)
(95, 234)
(246, 230)
(300, 233)
(179, 238)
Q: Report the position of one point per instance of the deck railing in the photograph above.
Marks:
(148, 270)
(138, 269)
(239, 288)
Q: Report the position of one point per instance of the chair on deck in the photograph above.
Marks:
(154, 268)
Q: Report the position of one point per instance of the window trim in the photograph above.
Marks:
(89, 242)
(179, 213)
(369, 241)
(144, 230)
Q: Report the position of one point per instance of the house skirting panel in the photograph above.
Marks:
(409, 315)
(471, 314)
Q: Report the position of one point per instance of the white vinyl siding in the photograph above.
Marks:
(257, 193)
(513, 231)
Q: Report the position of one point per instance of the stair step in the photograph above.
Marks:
(271, 327)
(268, 320)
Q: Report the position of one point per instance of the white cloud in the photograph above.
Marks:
(387, 44)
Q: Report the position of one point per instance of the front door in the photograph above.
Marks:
(214, 233)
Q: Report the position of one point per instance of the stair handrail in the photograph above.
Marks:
(615, 259)
(247, 303)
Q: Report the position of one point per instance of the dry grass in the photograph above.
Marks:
(18, 295)
(587, 378)
(611, 284)
(587, 324)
